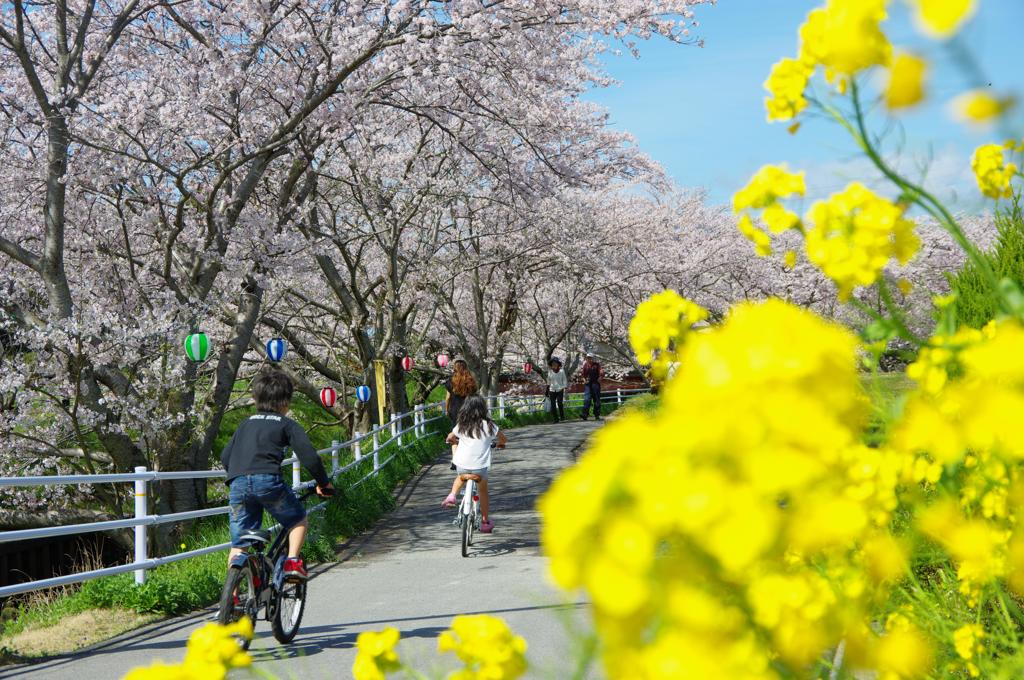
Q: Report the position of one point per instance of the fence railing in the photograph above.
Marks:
(365, 448)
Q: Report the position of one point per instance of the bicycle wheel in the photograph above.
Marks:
(467, 532)
(238, 599)
(291, 603)
(473, 519)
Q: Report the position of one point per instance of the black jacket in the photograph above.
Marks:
(259, 444)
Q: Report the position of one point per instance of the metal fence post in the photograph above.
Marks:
(501, 406)
(357, 447)
(376, 448)
(141, 511)
(400, 425)
(296, 474)
(335, 445)
(418, 420)
(618, 394)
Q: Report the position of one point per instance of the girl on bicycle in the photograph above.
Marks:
(471, 441)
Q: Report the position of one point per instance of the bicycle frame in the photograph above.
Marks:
(467, 498)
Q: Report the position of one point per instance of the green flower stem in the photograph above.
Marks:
(918, 194)
(897, 313)
(901, 328)
(413, 673)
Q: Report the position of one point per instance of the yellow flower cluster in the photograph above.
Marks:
(376, 655)
(992, 171)
(851, 236)
(980, 107)
(967, 425)
(484, 644)
(943, 18)
(786, 83)
(487, 647)
(762, 192)
(906, 81)
(854, 234)
(212, 651)
(658, 328)
(742, 526)
(844, 37)
(968, 644)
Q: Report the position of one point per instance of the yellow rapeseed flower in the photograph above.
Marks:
(211, 652)
(906, 81)
(487, 647)
(768, 185)
(786, 84)
(845, 37)
(762, 242)
(980, 107)
(992, 171)
(376, 655)
(902, 654)
(943, 18)
(967, 640)
(853, 235)
(659, 327)
(670, 574)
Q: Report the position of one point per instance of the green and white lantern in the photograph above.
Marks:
(197, 346)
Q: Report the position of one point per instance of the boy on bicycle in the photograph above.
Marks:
(253, 459)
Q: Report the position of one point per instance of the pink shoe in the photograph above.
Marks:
(449, 501)
(486, 527)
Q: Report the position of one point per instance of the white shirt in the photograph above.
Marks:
(557, 381)
(474, 454)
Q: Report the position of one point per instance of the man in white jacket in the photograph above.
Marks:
(557, 382)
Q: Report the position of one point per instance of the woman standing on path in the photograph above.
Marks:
(459, 386)
(557, 382)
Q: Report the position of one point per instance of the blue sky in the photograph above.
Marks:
(699, 111)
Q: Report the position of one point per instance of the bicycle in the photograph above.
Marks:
(468, 517)
(256, 582)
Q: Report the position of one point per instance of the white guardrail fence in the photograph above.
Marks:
(365, 448)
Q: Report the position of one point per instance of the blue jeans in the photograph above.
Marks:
(592, 393)
(249, 495)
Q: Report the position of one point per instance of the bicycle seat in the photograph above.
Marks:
(261, 535)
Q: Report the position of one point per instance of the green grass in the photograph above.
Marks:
(887, 392)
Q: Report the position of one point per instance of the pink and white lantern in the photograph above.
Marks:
(407, 363)
(528, 367)
(442, 360)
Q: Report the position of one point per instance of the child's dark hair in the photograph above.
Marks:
(272, 390)
(474, 421)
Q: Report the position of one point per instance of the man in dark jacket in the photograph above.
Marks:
(253, 461)
(592, 373)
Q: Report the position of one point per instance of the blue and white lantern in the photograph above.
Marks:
(363, 393)
(276, 349)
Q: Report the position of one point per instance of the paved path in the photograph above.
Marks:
(406, 572)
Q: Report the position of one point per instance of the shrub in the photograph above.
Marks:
(976, 301)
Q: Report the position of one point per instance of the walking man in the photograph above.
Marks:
(592, 373)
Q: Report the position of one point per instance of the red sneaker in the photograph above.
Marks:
(295, 569)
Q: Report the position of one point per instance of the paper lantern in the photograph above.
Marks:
(328, 396)
(442, 359)
(407, 363)
(197, 346)
(528, 367)
(363, 393)
(276, 349)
